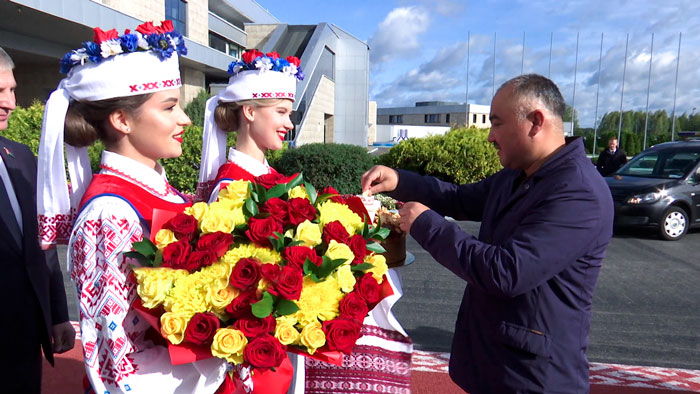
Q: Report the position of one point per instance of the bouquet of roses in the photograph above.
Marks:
(271, 266)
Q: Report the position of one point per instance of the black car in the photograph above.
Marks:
(660, 189)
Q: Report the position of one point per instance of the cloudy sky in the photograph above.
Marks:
(419, 48)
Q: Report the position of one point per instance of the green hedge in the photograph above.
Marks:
(460, 156)
(337, 165)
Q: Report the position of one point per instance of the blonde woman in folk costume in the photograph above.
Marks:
(124, 91)
(257, 104)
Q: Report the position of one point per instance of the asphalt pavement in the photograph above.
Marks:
(646, 309)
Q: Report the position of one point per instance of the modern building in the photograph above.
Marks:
(428, 117)
(332, 101)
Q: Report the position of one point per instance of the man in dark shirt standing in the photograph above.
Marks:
(611, 159)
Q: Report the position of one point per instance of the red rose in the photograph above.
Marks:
(252, 326)
(353, 307)
(289, 283)
(294, 60)
(300, 209)
(273, 55)
(336, 194)
(297, 255)
(218, 242)
(201, 328)
(166, 26)
(342, 333)
(264, 352)
(368, 288)
(175, 254)
(260, 229)
(184, 226)
(358, 245)
(101, 35)
(269, 180)
(335, 231)
(271, 272)
(240, 306)
(146, 28)
(277, 208)
(250, 55)
(246, 274)
(356, 205)
(198, 259)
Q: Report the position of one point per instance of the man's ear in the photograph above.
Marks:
(120, 121)
(537, 118)
(248, 112)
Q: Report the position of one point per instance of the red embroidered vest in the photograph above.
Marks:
(142, 201)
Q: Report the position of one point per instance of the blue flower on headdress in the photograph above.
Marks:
(66, 63)
(161, 45)
(300, 74)
(130, 42)
(93, 51)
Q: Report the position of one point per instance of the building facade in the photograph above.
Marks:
(332, 101)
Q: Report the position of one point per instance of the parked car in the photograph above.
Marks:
(659, 188)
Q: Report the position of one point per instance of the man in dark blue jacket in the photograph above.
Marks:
(546, 220)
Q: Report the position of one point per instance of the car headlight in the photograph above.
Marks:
(647, 198)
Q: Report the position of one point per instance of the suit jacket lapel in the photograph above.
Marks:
(22, 192)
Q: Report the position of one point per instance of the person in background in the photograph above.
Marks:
(546, 221)
(124, 91)
(611, 158)
(35, 310)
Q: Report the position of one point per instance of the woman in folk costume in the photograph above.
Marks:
(257, 104)
(125, 91)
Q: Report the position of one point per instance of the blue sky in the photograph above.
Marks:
(418, 48)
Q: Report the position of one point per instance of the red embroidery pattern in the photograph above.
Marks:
(168, 188)
(166, 83)
(56, 228)
(273, 95)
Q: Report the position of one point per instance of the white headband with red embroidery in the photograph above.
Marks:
(112, 66)
(257, 76)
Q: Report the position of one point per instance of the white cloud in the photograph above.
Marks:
(398, 34)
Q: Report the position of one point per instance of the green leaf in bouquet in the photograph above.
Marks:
(295, 243)
(296, 181)
(285, 307)
(253, 191)
(145, 261)
(366, 231)
(329, 266)
(375, 247)
(250, 208)
(145, 247)
(311, 191)
(277, 241)
(276, 191)
(381, 233)
(361, 267)
(263, 308)
(322, 198)
(158, 260)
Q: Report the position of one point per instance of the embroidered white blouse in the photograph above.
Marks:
(118, 357)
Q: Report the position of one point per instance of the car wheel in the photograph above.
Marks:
(673, 224)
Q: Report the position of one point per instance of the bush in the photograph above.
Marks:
(195, 109)
(337, 165)
(24, 125)
(460, 156)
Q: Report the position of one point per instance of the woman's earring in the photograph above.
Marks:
(128, 129)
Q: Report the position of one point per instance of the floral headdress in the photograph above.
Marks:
(111, 66)
(254, 60)
(255, 76)
(163, 40)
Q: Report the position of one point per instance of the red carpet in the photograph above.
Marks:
(429, 376)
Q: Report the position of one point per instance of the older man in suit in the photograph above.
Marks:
(31, 284)
(546, 220)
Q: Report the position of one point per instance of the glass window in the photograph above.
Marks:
(176, 11)
(447, 118)
(474, 118)
(483, 119)
(395, 118)
(432, 118)
(667, 164)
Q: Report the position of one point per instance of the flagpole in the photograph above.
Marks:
(675, 88)
(493, 78)
(622, 92)
(573, 100)
(646, 113)
(595, 122)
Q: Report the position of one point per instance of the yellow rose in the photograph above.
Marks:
(216, 219)
(164, 237)
(345, 277)
(286, 333)
(229, 344)
(298, 192)
(197, 210)
(308, 233)
(379, 266)
(337, 250)
(236, 191)
(153, 284)
(220, 296)
(313, 337)
(173, 325)
(238, 216)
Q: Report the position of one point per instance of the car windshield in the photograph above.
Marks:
(667, 164)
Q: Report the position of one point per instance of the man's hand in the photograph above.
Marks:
(63, 337)
(379, 179)
(409, 212)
